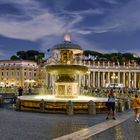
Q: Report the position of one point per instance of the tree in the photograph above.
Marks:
(32, 55)
(21, 55)
(114, 57)
(14, 57)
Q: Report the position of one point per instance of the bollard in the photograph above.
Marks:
(91, 108)
(42, 106)
(18, 105)
(121, 105)
(69, 107)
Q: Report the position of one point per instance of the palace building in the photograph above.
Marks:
(18, 73)
(23, 73)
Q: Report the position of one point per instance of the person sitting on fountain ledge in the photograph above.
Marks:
(111, 105)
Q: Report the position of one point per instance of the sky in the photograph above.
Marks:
(105, 26)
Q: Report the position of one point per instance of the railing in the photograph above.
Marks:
(98, 64)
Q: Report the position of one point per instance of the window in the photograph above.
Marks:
(25, 73)
(34, 74)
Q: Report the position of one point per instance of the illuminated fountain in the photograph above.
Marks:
(66, 70)
(66, 87)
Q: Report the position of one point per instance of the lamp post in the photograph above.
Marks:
(114, 77)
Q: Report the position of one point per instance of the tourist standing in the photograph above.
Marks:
(29, 90)
(111, 105)
(20, 91)
(136, 107)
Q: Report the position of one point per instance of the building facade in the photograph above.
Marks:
(25, 73)
(102, 73)
(18, 73)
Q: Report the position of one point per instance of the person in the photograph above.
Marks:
(111, 104)
(136, 107)
(20, 91)
(29, 90)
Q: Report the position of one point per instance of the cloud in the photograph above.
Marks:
(111, 1)
(96, 11)
(40, 23)
(39, 26)
(123, 19)
(37, 21)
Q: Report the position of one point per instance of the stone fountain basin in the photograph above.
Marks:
(51, 104)
(66, 69)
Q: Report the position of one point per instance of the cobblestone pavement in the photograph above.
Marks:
(41, 126)
(128, 130)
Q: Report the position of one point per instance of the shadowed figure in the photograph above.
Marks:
(20, 91)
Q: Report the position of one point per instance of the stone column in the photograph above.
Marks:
(84, 77)
(124, 79)
(80, 80)
(119, 77)
(89, 80)
(47, 79)
(113, 78)
(21, 76)
(103, 79)
(129, 80)
(108, 77)
(94, 79)
(99, 79)
(135, 79)
(52, 83)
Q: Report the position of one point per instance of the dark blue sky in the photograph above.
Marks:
(101, 25)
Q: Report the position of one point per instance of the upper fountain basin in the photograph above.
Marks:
(66, 69)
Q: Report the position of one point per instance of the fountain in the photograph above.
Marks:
(66, 70)
(66, 87)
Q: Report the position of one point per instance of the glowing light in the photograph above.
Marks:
(53, 98)
(67, 38)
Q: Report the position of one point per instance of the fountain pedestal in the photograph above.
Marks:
(66, 89)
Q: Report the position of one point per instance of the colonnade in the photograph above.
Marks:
(99, 78)
(102, 73)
